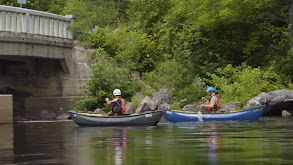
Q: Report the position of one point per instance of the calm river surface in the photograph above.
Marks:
(268, 141)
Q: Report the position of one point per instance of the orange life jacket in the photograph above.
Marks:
(216, 107)
(123, 106)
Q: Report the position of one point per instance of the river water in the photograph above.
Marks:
(267, 141)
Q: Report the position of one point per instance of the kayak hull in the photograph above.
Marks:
(188, 116)
(149, 118)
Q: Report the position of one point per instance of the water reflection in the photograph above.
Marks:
(168, 143)
(101, 139)
(214, 141)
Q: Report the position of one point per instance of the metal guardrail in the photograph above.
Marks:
(20, 20)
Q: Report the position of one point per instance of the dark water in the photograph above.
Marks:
(268, 141)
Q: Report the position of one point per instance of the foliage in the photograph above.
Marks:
(106, 77)
(243, 82)
(134, 50)
(135, 99)
(52, 6)
(173, 76)
(173, 42)
(89, 14)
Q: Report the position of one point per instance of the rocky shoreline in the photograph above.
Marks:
(279, 103)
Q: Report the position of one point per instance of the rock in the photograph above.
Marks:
(232, 106)
(46, 115)
(258, 100)
(286, 114)
(162, 97)
(63, 116)
(164, 106)
(98, 111)
(143, 106)
(152, 105)
(275, 100)
(191, 107)
(129, 108)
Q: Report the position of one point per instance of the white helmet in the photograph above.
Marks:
(117, 92)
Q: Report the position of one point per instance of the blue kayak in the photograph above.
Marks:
(192, 116)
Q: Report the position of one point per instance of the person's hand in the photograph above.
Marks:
(107, 99)
(201, 106)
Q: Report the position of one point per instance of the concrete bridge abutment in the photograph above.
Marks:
(40, 65)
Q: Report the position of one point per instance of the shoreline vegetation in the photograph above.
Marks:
(241, 48)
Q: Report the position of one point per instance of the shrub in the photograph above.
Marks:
(135, 99)
(241, 83)
(175, 77)
(106, 77)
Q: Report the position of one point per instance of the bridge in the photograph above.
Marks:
(39, 63)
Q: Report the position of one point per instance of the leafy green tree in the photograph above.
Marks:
(241, 83)
(175, 77)
(106, 77)
(91, 13)
(133, 50)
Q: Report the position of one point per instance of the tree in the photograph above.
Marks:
(91, 13)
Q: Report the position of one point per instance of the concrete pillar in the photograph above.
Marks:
(23, 23)
(31, 24)
(19, 22)
(65, 29)
(70, 31)
(28, 23)
(7, 27)
(56, 28)
(6, 108)
(2, 23)
(51, 27)
(37, 25)
(42, 24)
(47, 26)
(60, 29)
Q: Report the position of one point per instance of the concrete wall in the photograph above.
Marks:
(48, 81)
(6, 109)
(39, 62)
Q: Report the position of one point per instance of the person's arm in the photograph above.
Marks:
(211, 105)
(108, 101)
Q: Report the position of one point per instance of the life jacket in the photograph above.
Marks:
(216, 107)
(119, 107)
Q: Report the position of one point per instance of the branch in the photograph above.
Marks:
(278, 8)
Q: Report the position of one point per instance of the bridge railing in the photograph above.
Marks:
(20, 20)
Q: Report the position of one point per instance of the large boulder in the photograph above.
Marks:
(158, 101)
(143, 106)
(231, 106)
(162, 97)
(276, 101)
(164, 106)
